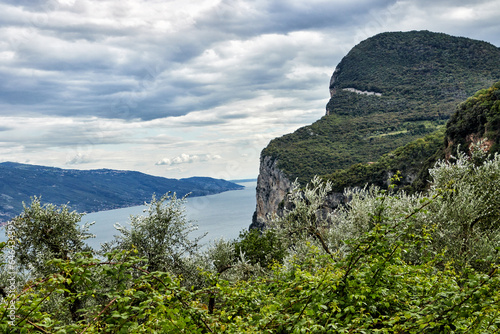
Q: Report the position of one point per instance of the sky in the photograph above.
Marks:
(186, 88)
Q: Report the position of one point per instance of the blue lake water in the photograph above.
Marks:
(222, 215)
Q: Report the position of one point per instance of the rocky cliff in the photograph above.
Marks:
(391, 97)
(272, 187)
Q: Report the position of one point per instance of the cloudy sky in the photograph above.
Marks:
(179, 88)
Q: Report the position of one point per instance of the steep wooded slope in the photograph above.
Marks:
(475, 120)
(388, 91)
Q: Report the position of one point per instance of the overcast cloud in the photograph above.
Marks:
(182, 88)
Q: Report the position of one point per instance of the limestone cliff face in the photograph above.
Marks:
(272, 187)
(333, 79)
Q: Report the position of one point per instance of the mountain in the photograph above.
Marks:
(92, 190)
(390, 97)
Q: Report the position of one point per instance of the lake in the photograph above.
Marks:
(222, 215)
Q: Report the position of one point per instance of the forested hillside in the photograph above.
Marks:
(92, 190)
(421, 76)
(476, 119)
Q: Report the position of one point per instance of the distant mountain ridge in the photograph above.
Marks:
(92, 190)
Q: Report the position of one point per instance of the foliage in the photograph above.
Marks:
(45, 232)
(304, 221)
(386, 262)
(138, 303)
(337, 142)
(462, 219)
(477, 117)
(408, 159)
(260, 247)
(467, 214)
(161, 236)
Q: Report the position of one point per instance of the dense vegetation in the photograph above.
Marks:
(386, 262)
(421, 75)
(408, 159)
(475, 119)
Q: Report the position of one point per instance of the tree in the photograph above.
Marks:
(306, 220)
(161, 236)
(260, 247)
(46, 232)
(467, 215)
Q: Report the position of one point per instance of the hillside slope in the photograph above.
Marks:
(476, 120)
(92, 190)
(387, 92)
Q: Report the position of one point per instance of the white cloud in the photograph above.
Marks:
(78, 159)
(188, 159)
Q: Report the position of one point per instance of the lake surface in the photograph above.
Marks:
(222, 215)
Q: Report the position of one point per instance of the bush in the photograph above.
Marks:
(260, 247)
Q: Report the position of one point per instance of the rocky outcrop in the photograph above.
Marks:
(362, 92)
(272, 187)
(335, 74)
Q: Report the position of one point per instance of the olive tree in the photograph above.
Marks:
(467, 214)
(161, 236)
(44, 232)
(460, 211)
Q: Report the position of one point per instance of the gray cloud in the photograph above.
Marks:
(247, 19)
(96, 80)
(79, 159)
(76, 62)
